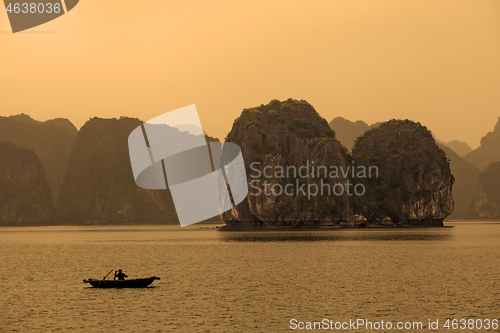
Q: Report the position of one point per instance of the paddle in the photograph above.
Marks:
(105, 277)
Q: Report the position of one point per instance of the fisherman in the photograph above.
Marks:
(120, 275)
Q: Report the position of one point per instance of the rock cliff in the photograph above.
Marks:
(51, 140)
(415, 181)
(486, 204)
(99, 185)
(283, 145)
(25, 196)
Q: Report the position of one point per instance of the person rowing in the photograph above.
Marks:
(120, 275)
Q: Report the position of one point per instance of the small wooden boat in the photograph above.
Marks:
(130, 283)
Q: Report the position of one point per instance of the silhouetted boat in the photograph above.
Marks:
(130, 283)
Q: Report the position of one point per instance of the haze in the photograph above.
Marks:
(432, 62)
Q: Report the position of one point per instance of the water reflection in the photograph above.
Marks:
(441, 234)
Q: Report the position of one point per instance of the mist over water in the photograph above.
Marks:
(245, 281)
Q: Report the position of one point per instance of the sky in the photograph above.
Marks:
(435, 62)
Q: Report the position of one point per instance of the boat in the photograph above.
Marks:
(130, 283)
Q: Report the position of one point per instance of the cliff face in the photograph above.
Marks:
(466, 183)
(25, 196)
(51, 140)
(486, 203)
(282, 145)
(488, 152)
(99, 184)
(415, 180)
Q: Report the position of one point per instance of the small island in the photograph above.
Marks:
(412, 185)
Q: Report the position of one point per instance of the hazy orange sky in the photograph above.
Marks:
(436, 62)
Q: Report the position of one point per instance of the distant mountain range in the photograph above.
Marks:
(88, 178)
(459, 147)
(486, 203)
(466, 183)
(489, 150)
(89, 171)
(348, 131)
(51, 140)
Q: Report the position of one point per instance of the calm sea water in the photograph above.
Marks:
(216, 281)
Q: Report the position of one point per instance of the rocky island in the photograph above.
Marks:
(415, 181)
(99, 187)
(396, 175)
(280, 135)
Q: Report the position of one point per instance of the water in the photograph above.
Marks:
(245, 281)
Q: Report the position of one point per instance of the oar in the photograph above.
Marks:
(105, 277)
